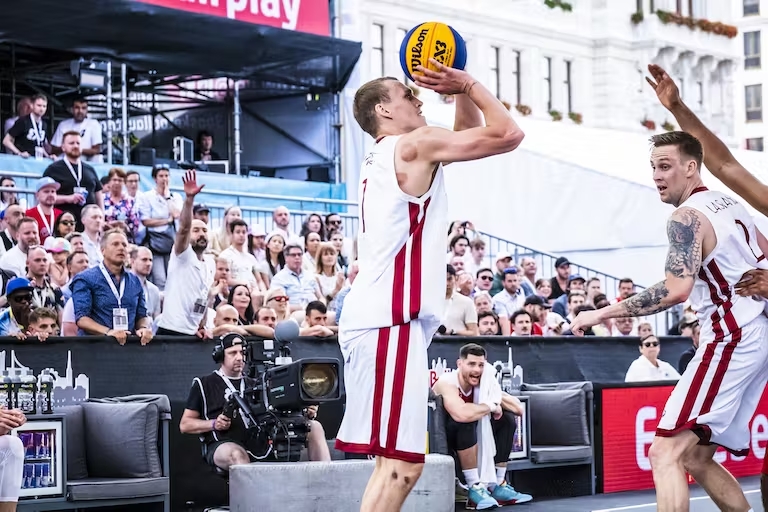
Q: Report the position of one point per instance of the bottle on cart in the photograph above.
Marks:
(506, 379)
(15, 376)
(6, 390)
(26, 392)
(45, 392)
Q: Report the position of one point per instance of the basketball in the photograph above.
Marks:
(432, 40)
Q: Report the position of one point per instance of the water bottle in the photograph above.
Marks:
(45, 391)
(26, 394)
(6, 391)
(506, 379)
(15, 376)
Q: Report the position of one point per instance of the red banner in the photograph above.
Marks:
(629, 420)
(311, 16)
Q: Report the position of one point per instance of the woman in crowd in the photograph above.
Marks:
(58, 249)
(277, 299)
(605, 328)
(312, 242)
(483, 303)
(240, 298)
(64, 225)
(330, 280)
(220, 238)
(274, 254)
(9, 198)
(118, 206)
(337, 239)
(644, 329)
(544, 289)
(313, 224)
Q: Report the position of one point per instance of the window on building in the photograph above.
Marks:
(518, 82)
(751, 7)
(568, 85)
(752, 49)
(377, 51)
(548, 81)
(755, 144)
(700, 89)
(401, 33)
(495, 79)
(754, 102)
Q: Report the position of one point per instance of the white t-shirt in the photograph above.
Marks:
(90, 136)
(188, 281)
(68, 315)
(642, 370)
(242, 265)
(14, 261)
(93, 250)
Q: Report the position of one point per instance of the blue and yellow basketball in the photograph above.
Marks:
(432, 40)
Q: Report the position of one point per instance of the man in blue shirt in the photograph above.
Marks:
(16, 318)
(109, 301)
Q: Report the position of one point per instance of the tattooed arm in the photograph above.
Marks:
(683, 262)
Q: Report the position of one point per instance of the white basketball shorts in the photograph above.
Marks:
(718, 393)
(387, 386)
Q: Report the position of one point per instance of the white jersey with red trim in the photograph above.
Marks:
(401, 249)
(721, 312)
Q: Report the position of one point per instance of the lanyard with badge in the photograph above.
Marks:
(233, 390)
(78, 177)
(119, 314)
(38, 129)
(48, 230)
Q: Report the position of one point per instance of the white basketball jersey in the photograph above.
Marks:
(401, 248)
(721, 312)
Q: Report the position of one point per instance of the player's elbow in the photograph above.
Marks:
(512, 138)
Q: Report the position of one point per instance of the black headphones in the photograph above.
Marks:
(223, 343)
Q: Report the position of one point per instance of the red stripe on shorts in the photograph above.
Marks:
(417, 232)
(379, 379)
(398, 386)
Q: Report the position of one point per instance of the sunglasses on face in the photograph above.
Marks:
(19, 299)
(649, 344)
(280, 299)
(68, 222)
(334, 222)
(486, 278)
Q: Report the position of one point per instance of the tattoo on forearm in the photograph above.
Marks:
(647, 302)
(684, 256)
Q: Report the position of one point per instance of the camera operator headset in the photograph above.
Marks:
(223, 438)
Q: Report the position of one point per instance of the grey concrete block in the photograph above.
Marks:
(336, 486)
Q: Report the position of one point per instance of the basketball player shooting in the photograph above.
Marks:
(395, 305)
(713, 242)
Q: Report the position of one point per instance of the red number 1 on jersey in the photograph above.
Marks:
(362, 204)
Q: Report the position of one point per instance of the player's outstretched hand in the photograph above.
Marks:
(584, 321)
(443, 81)
(665, 87)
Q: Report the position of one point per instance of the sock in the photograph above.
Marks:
(471, 476)
(501, 475)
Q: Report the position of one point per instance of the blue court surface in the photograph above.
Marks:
(638, 501)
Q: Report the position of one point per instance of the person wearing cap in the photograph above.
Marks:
(45, 213)
(560, 280)
(19, 297)
(538, 309)
(80, 185)
(119, 207)
(503, 262)
(575, 282)
(201, 212)
(59, 250)
(257, 241)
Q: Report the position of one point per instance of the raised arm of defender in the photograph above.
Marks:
(717, 157)
(432, 145)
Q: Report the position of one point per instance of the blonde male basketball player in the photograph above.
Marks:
(721, 162)
(713, 242)
(396, 303)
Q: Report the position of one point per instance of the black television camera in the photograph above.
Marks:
(273, 410)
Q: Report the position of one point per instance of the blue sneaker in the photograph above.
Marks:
(505, 494)
(478, 498)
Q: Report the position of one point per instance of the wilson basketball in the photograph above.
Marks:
(432, 40)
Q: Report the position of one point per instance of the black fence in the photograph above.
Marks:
(99, 367)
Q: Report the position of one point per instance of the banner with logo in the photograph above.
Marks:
(310, 16)
(629, 418)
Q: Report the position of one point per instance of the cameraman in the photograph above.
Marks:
(225, 439)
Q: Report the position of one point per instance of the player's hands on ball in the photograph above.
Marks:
(754, 282)
(665, 87)
(584, 321)
(443, 81)
(222, 423)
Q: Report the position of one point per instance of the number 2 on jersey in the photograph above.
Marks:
(362, 204)
(759, 258)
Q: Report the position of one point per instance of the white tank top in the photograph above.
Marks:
(401, 248)
(719, 309)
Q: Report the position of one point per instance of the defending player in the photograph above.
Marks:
(395, 305)
(720, 161)
(713, 242)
